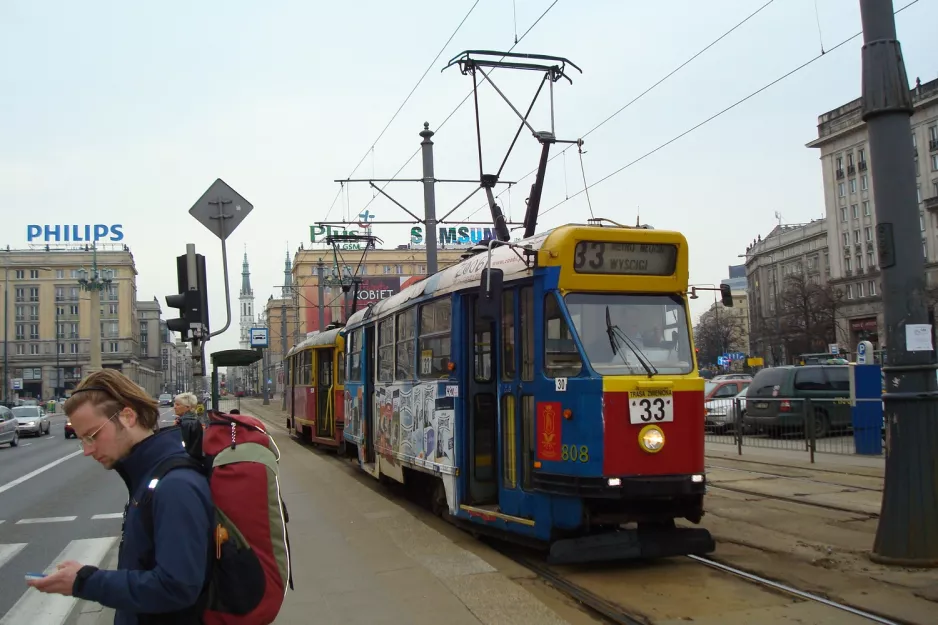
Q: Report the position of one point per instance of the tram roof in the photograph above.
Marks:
(316, 338)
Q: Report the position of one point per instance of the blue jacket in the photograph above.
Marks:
(183, 519)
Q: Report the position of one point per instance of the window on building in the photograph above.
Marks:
(866, 207)
(850, 159)
(841, 191)
(870, 261)
(853, 185)
(20, 332)
(868, 232)
(34, 331)
(861, 155)
(73, 309)
(934, 188)
(33, 274)
(847, 265)
(859, 289)
(859, 262)
(864, 182)
(918, 193)
(849, 291)
(59, 274)
(871, 285)
(840, 162)
(846, 238)
(856, 235)
(856, 210)
(20, 349)
(60, 348)
(73, 348)
(34, 349)
(114, 347)
(34, 293)
(20, 274)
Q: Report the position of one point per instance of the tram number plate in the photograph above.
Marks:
(651, 407)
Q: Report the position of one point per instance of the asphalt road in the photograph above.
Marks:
(55, 504)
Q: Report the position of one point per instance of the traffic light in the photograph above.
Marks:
(726, 295)
(192, 300)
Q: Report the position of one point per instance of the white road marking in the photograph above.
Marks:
(22, 445)
(33, 474)
(38, 608)
(48, 519)
(112, 515)
(7, 552)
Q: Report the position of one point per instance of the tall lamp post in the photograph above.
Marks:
(716, 308)
(94, 282)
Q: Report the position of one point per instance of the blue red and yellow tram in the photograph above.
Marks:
(545, 390)
(315, 388)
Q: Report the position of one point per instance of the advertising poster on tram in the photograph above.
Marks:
(372, 290)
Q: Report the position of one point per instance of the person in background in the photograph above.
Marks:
(184, 405)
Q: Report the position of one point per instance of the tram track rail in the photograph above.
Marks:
(803, 502)
(798, 478)
(621, 615)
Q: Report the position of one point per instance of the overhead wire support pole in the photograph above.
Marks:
(907, 532)
(429, 197)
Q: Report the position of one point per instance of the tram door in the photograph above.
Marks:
(368, 401)
(482, 408)
(325, 414)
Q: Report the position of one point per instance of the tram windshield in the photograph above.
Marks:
(632, 334)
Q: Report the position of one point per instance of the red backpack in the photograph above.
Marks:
(251, 568)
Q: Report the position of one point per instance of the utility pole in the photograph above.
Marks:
(907, 534)
(6, 328)
(283, 351)
(265, 372)
(320, 268)
(429, 197)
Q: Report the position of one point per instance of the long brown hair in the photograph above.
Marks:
(110, 390)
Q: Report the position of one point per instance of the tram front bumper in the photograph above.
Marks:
(632, 544)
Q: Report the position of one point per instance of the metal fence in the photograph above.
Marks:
(227, 403)
(809, 425)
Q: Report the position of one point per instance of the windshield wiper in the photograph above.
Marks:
(615, 334)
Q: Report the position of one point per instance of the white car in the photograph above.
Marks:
(31, 420)
(720, 414)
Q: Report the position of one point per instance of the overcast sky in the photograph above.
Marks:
(125, 112)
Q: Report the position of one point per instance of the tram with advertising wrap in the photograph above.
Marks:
(315, 388)
(544, 390)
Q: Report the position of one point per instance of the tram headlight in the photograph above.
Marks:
(651, 439)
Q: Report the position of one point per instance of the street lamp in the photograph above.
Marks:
(94, 282)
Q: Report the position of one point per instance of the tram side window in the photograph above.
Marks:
(386, 350)
(527, 333)
(406, 322)
(483, 335)
(340, 371)
(325, 368)
(434, 342)
(355, 356)
(508, 336)
(561, 358)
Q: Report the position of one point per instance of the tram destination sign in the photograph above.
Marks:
(649, 259)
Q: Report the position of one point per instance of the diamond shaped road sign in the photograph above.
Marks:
(221, 209)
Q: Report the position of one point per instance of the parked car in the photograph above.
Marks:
(775, 400)
(732, 376)
(8, 434)
(724, 389)
(32, 420)
(720, 414)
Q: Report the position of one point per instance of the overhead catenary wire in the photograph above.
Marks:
(400, 108)
(642, 94)
(463, 101)
(715, 115)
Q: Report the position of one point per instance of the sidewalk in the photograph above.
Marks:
(840, 463)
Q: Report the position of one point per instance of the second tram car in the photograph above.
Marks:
(316, 391)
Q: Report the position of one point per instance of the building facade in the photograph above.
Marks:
(383, 273)
(843, 141)
(47, 317)
(150, 353)
(788, 250)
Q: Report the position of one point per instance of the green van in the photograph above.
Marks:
(774, 401)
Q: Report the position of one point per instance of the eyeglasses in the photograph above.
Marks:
(88, 439)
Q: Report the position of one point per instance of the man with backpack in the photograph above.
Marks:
(167, 534)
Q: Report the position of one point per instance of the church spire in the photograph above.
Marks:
(287, 276)
(246, 277)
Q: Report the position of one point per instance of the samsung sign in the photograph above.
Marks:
(79, 233)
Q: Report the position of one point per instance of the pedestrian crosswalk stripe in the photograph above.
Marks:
(8, 552)
(48, 519)
(37, 608)
(112, 515)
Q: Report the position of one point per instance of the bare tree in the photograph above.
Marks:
(808, 314)
(716, 333)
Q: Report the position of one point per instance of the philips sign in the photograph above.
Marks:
(85, 233)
